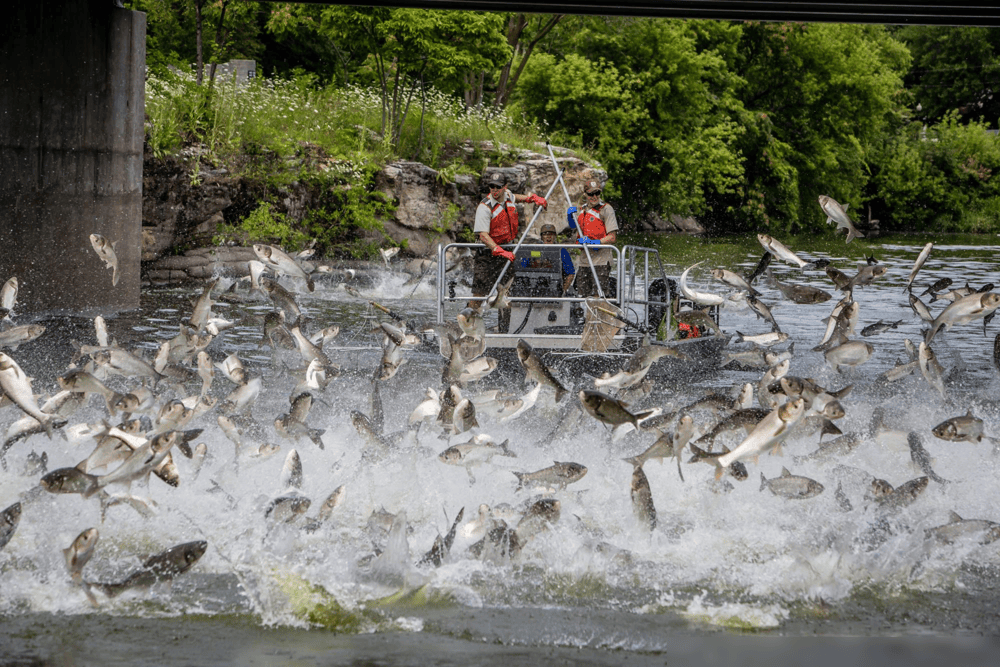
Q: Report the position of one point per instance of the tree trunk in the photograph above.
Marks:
(503, 93)
(515, 26)
(220, 37)
(200, 61)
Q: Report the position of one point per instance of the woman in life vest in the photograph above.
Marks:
(595, 226)
(496, 224)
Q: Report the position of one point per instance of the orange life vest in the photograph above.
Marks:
(687, 330)
(503, 220)
(590, 222)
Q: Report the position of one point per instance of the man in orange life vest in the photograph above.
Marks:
(596, 226)
(496, 223)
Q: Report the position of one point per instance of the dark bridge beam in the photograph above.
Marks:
(935, 12)
(72, 78)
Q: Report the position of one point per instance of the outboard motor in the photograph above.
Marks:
(663, 291)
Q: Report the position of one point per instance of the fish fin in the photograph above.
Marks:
(636, 461)
(842, 392)
(505, 451)
(763, 482)
(785, 472)
(953, 517)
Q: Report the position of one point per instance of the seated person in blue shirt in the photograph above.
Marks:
(548, 234)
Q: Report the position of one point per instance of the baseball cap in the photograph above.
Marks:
(496, 178)
(547, 228)
(591, 186)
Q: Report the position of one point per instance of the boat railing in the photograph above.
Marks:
(446, 293)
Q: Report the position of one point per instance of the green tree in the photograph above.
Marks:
(408, 48)
(945, 177)
(817, 97)
(639, 94)
(184, 32)
(954, 68)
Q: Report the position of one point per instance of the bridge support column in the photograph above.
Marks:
(72, 78)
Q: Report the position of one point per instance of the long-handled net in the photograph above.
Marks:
(602, 322)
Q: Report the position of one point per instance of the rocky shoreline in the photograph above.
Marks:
(185, 201)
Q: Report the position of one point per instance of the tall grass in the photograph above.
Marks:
(281, 115)
(277, 132)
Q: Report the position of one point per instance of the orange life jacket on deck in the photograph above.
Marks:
(590, 222)
(503, 220)
(687, 330)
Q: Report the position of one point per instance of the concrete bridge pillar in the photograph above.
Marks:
(71, 130)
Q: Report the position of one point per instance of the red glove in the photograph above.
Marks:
(506, 254)
(538, 201)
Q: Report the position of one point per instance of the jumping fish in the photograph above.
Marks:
(106, 251)
(837, 213)
(278, 260)
(778, 249)
(921, 258)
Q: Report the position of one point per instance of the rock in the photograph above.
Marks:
(185, 202)
(686, 224)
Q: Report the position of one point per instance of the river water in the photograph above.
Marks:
(595, 587)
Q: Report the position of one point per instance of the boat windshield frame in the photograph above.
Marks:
(633, 267)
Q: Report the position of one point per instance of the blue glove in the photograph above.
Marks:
(587, 241)
(569, 217)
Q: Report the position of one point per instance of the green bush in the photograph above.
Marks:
(940, 178)
(264, 225)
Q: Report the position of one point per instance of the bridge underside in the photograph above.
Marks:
(934, 12)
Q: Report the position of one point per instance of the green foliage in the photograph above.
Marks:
(408, 48)
(655, 109)
(449, 217)
(954, 68)
(342, 216)
(818, 96)
(944, 178)
(171, 29)
(264, 225)
(742, 124)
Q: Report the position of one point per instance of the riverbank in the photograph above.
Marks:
(198, 218)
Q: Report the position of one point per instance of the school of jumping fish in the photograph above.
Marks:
(156, 408)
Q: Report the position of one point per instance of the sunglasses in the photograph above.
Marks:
(592, 194)
(496, 187)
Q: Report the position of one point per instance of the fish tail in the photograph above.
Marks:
(92, 487)
(560, 392)
(77, 350)
(699, 454)
(505, 451)
(520, 480)
(853, 234)
(763, 482)
(109, 590)
(636, 461)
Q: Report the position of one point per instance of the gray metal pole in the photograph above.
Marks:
(538, 209)
(569, 202)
